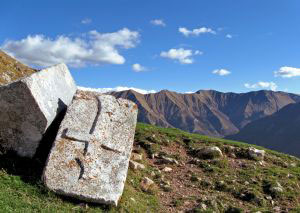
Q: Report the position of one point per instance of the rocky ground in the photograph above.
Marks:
(171, 171)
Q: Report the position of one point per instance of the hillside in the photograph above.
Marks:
(279, 131)
(207, 112)
(11, 69)
(234, 182)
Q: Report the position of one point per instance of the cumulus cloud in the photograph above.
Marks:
(86, 21)
(158, 22)
(93, 48)
(117, 89)
(265, 85)
(182, 55)
(221, 72)
(195, 32)
(138, 68)
(287, 72)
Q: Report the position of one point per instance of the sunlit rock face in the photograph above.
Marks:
(28, 106)
(90, 156)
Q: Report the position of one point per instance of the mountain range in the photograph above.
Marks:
(239, 116)
(279, 131)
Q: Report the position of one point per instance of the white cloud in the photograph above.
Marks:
(265, 85)
(158, 22)
(182, 55)
(287, 72)
(229, 36)
(195, 32)
(221, 72)
(138, 68)
(198, 52)
(86, 21)
(93, 48)
(117, 89)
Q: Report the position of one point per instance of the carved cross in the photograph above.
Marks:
(86, 138)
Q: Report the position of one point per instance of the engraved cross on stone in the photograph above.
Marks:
(86, 138)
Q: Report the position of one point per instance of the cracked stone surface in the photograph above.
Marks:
(28, 106)
(90, 156)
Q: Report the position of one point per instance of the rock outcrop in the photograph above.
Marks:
(90, 156)
(28, 106)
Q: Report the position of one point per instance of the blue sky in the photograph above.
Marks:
(177, 45)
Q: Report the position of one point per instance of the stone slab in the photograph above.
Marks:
(28, 106)
(90, 156)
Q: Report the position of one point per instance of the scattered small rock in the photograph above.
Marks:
(168, 160)
(136, 157)
(268, 197)
(167, 169)
(203, 206)
(275, 189)
(256, 154)
(135, 165)
(154, 155)
(146, 183)
(209, 152)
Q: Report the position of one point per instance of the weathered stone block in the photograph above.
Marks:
(90, 156)
(28, 106)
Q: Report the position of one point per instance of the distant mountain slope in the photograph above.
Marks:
(206, 111)
(279, 131)
(11, 69)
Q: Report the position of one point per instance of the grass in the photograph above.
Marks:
(229, 184)
(11, 70)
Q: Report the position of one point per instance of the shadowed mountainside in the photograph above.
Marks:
(207, 112)
(11, 69)
(279, 131)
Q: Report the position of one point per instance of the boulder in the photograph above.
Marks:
(28, 106)
(209, 152)
(256, 153)
(90, 156)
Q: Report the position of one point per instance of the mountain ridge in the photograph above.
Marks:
(207, 112)
(279, 131)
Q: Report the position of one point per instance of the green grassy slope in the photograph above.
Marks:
(11, 69)
(233, 183)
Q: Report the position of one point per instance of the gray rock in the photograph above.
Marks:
(256, 153)
(90, 156)
(168, 160)
(135, 165)
(209, 152)
(28, 106)
(167, 169)
(146, 183)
